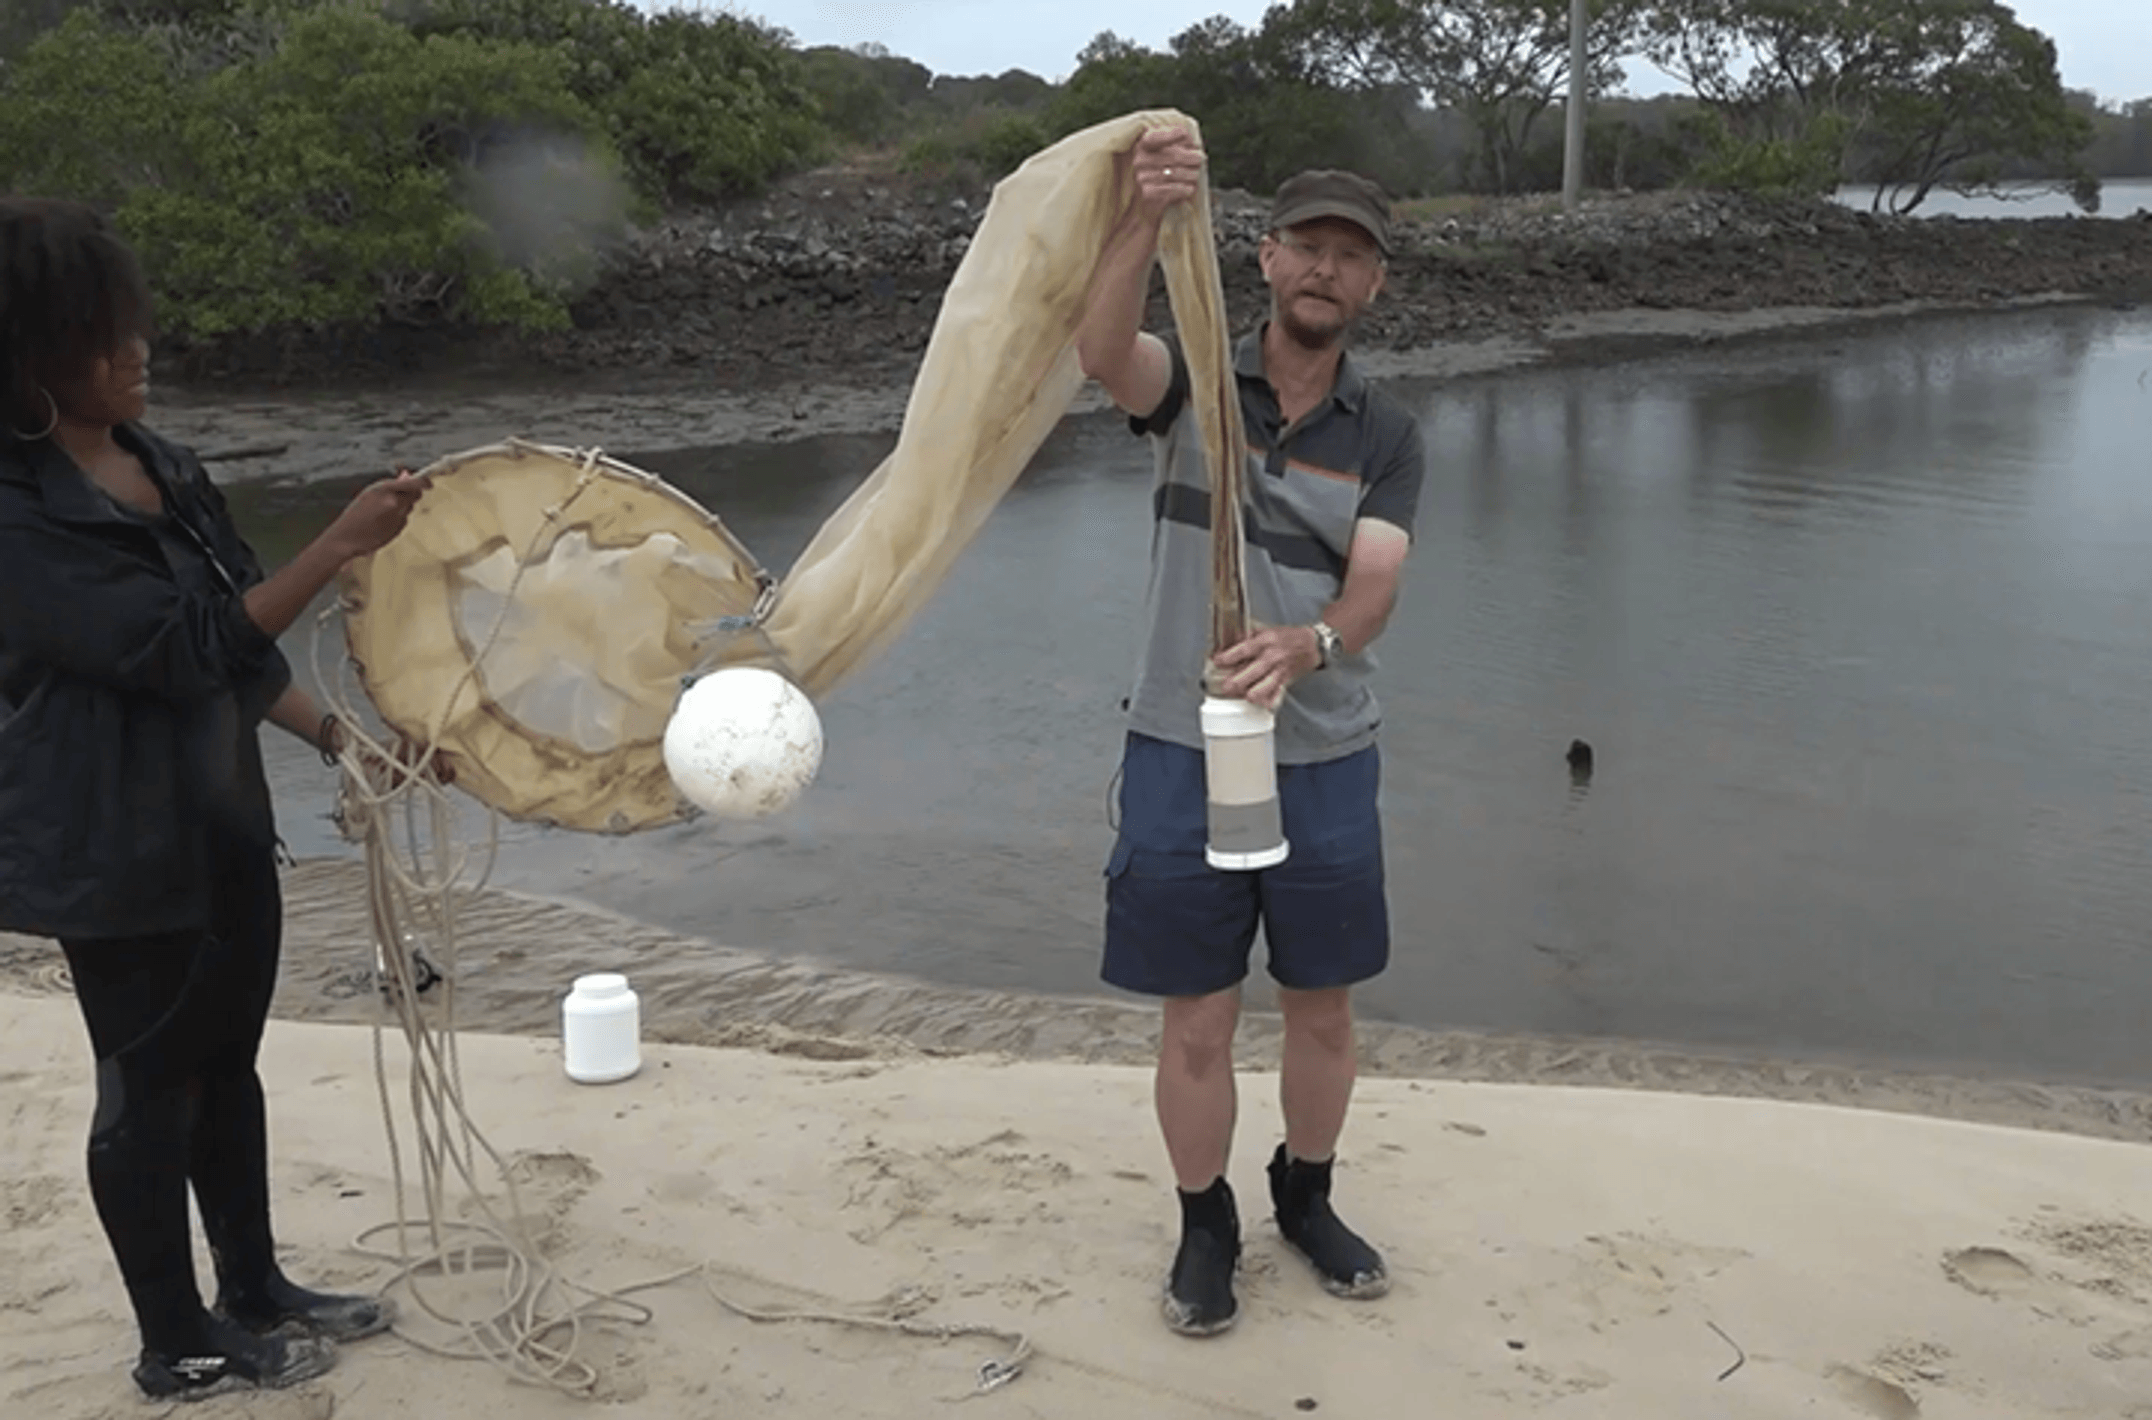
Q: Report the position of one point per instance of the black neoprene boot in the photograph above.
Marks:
(1343, 1261)
(229, 1167)
(231, 1360)
(1199, 1295)
(281, 1305)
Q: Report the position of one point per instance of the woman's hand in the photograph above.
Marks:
(368, 523)
(372, 520)
(441, 768)
(407, 752)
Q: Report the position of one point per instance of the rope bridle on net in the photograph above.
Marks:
(391, 803)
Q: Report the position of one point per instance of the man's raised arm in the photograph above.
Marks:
(1134, 366)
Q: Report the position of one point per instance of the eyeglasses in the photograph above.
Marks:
(1352, 256)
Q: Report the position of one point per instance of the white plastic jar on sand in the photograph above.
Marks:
(601, 1029)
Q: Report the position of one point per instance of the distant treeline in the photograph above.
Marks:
(314, 163)
(1438, 97)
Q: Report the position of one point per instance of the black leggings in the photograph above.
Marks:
(176, 1021)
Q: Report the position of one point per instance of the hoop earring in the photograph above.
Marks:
(50, 424)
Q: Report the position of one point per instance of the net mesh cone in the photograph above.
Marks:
(551, 689)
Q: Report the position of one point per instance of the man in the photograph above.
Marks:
(1334, 478)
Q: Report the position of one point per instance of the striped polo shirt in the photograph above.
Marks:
(1357, 454)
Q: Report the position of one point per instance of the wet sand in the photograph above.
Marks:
(518, 954)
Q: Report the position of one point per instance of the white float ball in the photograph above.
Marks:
(743, 743)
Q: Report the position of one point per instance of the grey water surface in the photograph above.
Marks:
(1859, 628)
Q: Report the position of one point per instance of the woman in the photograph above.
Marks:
(138, 659)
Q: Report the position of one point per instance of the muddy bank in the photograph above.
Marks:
(519, 954)
(285, 436)
(830, 278)
(807, 314)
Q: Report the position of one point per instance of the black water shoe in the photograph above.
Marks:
(1343, 1261)
(1199, 1294)
(233, 1360)
(285, 1307)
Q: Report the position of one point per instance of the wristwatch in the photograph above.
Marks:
(1328, 642)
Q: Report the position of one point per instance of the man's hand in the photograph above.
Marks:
(1261, 668)
(1168, 168)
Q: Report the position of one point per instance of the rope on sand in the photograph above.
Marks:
(394, 806)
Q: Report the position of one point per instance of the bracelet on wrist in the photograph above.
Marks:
(327, 742)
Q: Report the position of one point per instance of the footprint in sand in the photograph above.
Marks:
(2116, 1253)
(990, 1183)
(622, 1375)
(1912, 1362)
(547, 1186)
(1991, 1272)
(2002, 1276)
(557, 1172)
(1872, 1395)
(556, 1182)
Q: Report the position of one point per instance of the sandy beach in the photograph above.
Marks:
(1567, 1251)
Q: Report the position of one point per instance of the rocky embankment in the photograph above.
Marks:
(834, 279)
(812, 284)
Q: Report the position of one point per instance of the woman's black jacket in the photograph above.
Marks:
(132, 689)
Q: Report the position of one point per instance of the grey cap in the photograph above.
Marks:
(1329, 192)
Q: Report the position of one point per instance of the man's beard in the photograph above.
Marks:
(1307, 336)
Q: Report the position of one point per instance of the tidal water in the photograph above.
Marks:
(1859, 628)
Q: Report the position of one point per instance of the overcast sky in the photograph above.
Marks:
(2103, 42)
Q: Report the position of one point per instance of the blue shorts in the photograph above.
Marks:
(1175, 926)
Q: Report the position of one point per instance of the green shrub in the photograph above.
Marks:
(1807, 164)
(324, 184)
(700, 106)
(982, 147)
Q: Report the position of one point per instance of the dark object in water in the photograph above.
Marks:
(1580, 762)
(424, 974)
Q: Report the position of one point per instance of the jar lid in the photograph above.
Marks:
(603, 983)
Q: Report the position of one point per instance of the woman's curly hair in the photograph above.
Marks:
(71, 292)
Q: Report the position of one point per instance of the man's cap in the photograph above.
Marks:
(1328, 192)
